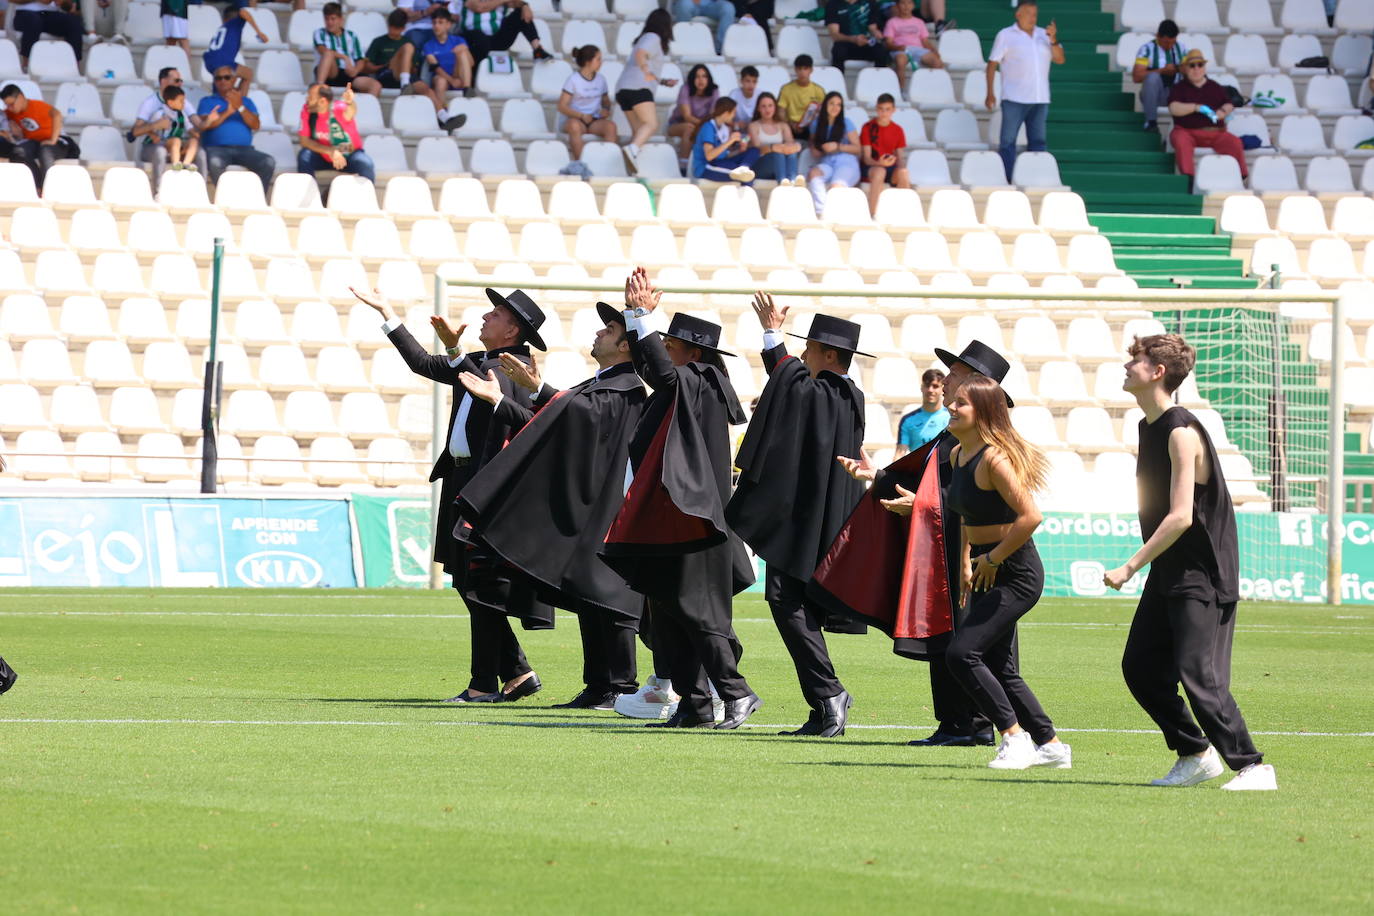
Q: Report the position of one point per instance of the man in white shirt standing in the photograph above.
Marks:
(1024, 52)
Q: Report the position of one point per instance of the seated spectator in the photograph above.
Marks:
(150, 123)
(420, 14)
(40, 126)
(1200, 107)
(228, 120)
(634, 91)
(721, 12)
(884, 152)
(181, 136)
(721, 153)
(450, 63)
(933, 11)
(585, 102)
(338, 53)
(907, 37)
(695, 102)
(771, 135)
(224, 46)
(389, 58)
(800, 99)
(1156, 69)
(835, 139)
(855, 32)
(494, 25)
(176, 26)
(927, 421)
(745, 96)
(55, 17)
(760, 13)
(329, 135)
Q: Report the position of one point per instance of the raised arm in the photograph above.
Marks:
(437, 368)
(651, 359)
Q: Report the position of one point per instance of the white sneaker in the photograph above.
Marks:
(717, 704)
(1017, 752)
(655, 700)
(1191, 770)
(799, 181)
(1257, 777)
(631, 154)
(1056, 755)
(743, 174)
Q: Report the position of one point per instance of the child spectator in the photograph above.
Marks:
(855, 32)
(746, 97)
(836, 140)
(909, 40)
(175, 27)
(719, 152)
(772, 137)
(800, 100)
(338, 53)
(329, 135)
(884, 152)
(389, 58)
(634, 91)
(224, 45)
(585, 102)
(448, 57)
(695, 102)
(183, 143)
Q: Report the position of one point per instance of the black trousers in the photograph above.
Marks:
(480, 44)
(842, 51)
(697, 633)
(608, 652)
(762, 11)
(1188, 641)
(40, 157)
(496, 653)
(953, 708)
(800, 630)
(981, 657)
(31, 24)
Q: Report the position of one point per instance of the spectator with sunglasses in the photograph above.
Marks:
(1200, 107)
(228, 121)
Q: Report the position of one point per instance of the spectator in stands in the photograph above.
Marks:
(800, 99)
(760, 13)
(855, 28)
(40, 125)
(585, 101)
(152, 120)
(721, 153)
(389, 58)
(176, 27)
(225, 44)
(927, 421)
(634, 91)
(933, 11)
(494, 25)
(338, 53)
(772, 136)
(1200, 107)
(1024, 51)
(909, 41)
(448, 58)
(884, 151)
(721, 12)
(695, 102)
(55, 17)
(181, 137)
(745, 96)
(1156, 69)
(834, 139)
(103, 17)
(228, 120)
(420, 13)
(329, 135)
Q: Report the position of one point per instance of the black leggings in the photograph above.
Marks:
(981, 656)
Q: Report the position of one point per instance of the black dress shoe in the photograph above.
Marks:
(681, 719)
(977, 739)
(736, 711)
(7, 676)
(466, 697)
(835, 714)
(605, 701)
(528, 686)
(812, 726)
(584, 700)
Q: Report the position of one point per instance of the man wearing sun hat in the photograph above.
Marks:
(1200, 107)
(792, 496)
(544, 502)
(670, 540)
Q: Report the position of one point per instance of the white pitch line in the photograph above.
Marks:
(586, 724)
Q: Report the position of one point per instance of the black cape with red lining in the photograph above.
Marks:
(675, 507)
(892, 571)
(792, 496)
(545, 501)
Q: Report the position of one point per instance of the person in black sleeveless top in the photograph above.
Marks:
(995, 473)
(1186, 618)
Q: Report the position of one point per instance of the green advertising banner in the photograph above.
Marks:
(396, 540)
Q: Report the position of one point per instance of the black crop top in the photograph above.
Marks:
(973, 504)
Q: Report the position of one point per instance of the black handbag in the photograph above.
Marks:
(1319, 62)
(1235, 98)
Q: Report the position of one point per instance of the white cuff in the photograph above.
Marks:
(391, 324)
(453, 361)
(772, 337)
(497, 403)
(635, 323)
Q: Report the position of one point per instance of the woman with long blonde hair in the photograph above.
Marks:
(995, 476)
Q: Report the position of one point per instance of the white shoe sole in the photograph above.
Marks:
(1196, 779)
(633, 708)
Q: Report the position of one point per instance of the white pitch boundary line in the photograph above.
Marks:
(589, 724)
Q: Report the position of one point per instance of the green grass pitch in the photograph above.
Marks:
(250, 752)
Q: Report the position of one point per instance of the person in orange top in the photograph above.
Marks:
(41, 127)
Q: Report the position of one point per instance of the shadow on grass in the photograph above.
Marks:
(972, 774)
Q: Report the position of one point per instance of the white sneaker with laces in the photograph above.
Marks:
(743, 174)
(1017, 752)
(1191, 770)
(655, 700)
(1056, 755)
(1257, 777)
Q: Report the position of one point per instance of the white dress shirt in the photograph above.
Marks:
(458, 441)
(1025, 63)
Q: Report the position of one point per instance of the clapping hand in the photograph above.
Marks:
(640, 293)
(526, 376)
(488, 389)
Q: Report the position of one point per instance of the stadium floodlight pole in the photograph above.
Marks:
(1335, 496)
(438, 427)
(209, 403)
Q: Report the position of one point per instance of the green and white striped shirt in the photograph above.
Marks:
(345, 43)
(1154, 57)
(487, 23)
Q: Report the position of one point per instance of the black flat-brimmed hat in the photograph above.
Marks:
(829, 331)
(982, 359)
(609, 314)
(527, 314)
(696, 331)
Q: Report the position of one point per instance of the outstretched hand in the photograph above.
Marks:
(770, 316)
(640, 292)
(376, 300)
(859, 468)
(526, 376)
(902, 504)
(488, 389)
(444, 328)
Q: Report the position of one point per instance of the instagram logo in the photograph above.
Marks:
(1085, 578)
